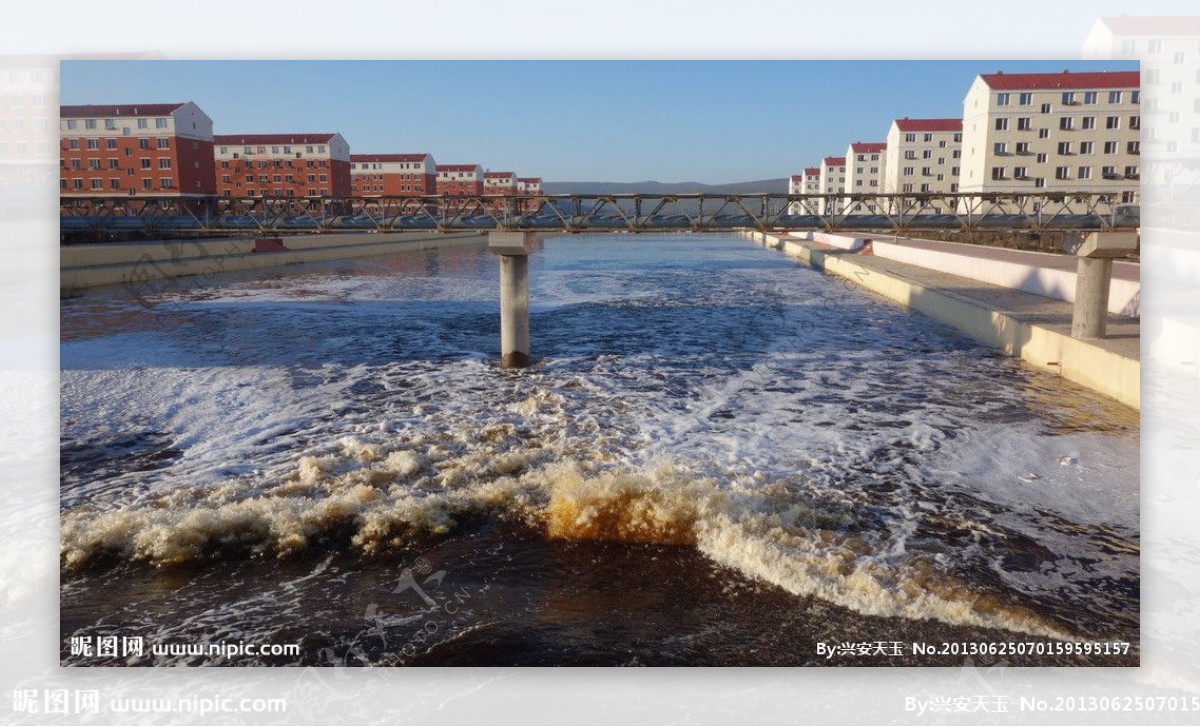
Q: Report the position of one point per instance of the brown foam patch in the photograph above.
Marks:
(627, 508)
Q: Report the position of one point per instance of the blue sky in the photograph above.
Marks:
(624, 121)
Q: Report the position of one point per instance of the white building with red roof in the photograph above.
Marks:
(832, 181)
(282, 165)
(922, 156)
(393, 175)
(807, 183)
(1047, 132)
(864, 170)
(1168, 50)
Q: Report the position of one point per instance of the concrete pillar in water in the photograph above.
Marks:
(1093, 279)
(514, 249)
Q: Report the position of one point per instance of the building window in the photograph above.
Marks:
(1002, 99)
(160, 123)
(141, 124)
(77, 184)
(1112, 122)
(1068, 97)
(1135, 122)
(1135, 96)
(997, 172)
(97, 184)
(910, 154)
(1066, 123)
(907, 137)
(164, 163)
(1019, 172)
(143, 143)
(1025, 123)
(114, 163)
(1043, 133)
(1115, 96)
(1046, 108)
(927, 154)
(1062, 173)
(1002, 124)
(908, 171)
(1131, 172)
(1022, 147)
(110, 143)
(110, 124)
(89, 123)
(73, 144)
(94, 164)
(1086, 147)
(1085, 172)
(1088, 122)
(72, 124)
(926, 172)
(1025, 99)
(1042, 158)
(1134, 147)
(114, 183)
(164, 143)
(1089, 97)
(1110, 147)
(1039, 183)
(76, 164)
(1001, 147)
(1064, 148)
(93, 144)
(1108, 172)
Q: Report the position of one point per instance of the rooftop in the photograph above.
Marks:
(323, 138)
(1066, 80)
(929, 124)
(104, 110)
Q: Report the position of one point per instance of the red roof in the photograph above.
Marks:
(797, 177)
(457, 167)
(812, 171)
(530, 180)
(101, 110)
(1064, 80)
(388, 157)
(834, 161)
(235, 139)
(860, 147)
(1159, 26)
(929, 124)
(498, 175)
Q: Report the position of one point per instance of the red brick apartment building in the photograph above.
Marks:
(529, 185)
(393, 175)
(155, 150)
(460, 180)
(282, 165)
(499, 183)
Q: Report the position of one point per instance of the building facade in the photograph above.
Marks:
(499, 183)
(1170, 55)
(807, 183)
(282, 165)
(393, 175)
(923, 157)
(460, 180)
(864, 172)
(833, 181)
(150, 150)
(529, 185)
(1047, 132)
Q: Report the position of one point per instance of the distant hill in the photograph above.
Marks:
(762, 186)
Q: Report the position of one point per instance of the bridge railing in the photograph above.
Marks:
(891, 213)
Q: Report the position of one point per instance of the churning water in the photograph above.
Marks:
(717, 458)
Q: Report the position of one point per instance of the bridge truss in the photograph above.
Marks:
(890, 213)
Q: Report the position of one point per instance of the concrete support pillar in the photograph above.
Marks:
(513, 249)
(1093, 279)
